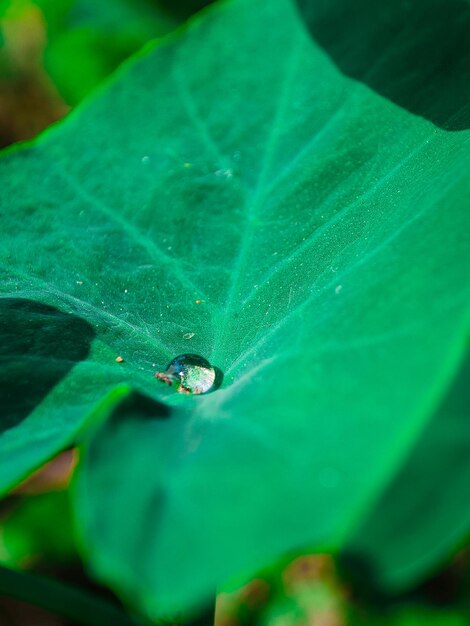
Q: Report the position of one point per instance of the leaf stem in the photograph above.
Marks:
(70, 602)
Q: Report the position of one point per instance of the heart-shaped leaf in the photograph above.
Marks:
(232, 194)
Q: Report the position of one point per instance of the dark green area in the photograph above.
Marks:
(39, 345)
(417, 54)
(70, 602)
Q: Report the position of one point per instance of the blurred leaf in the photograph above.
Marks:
(183, 9)
(424, 514)
(38, 528)
(71, 602)
(88, 40)
(412, 615)
(248, 203)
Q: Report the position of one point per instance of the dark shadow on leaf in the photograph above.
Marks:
(140, 407)
(218, 380)
(183, 9)
(416, 53)
(39, 345)
(360, 575)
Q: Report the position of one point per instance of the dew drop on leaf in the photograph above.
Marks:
(189, 374)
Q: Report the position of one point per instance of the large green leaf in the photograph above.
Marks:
(236, 196)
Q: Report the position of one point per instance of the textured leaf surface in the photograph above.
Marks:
(251, 204)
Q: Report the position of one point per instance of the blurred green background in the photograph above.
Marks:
(53, 53)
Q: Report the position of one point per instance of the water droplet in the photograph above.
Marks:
(189, 374)
(338, 288)
(188, 335)
(145, 159)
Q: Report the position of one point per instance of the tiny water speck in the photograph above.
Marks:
(189, 374)
(145, 159)
(188, 335)
(338, 288)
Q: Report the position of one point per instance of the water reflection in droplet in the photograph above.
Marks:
(190, 374)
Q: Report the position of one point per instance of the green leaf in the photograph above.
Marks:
(406, 534)
(238, 197)
(413, 615)
(70, 602)
(88, 40)
(85, 41)
(29, 532)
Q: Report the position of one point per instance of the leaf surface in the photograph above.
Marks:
(423, 515)
(251, 204)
